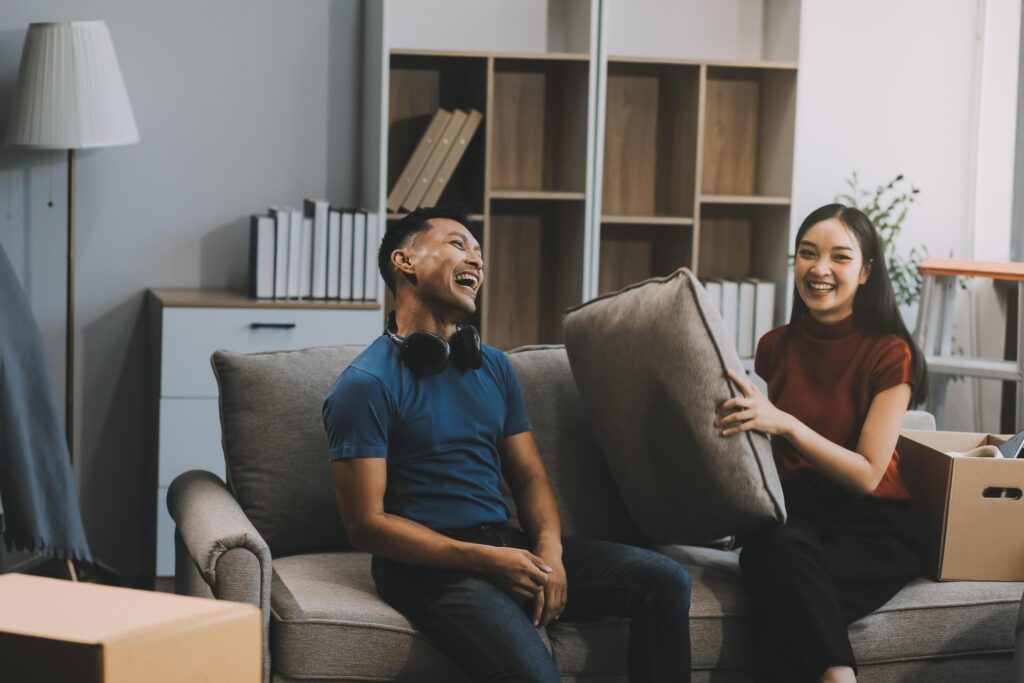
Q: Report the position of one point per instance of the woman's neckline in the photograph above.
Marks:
(820, 330)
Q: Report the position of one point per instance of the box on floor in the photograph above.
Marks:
(971, 509)
(53, 630)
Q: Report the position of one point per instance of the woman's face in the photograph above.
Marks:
(828, 269)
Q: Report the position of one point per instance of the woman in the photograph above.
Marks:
(840, 377)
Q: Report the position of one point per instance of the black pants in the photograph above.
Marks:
(829, 565)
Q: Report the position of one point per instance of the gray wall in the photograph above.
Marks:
(240, 104)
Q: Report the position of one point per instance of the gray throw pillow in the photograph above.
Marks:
(650, 362)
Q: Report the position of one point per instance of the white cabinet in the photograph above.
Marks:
(183, 418)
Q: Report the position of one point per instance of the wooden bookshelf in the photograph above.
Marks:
(695, 160)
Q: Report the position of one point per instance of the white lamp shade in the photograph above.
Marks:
(70, 92)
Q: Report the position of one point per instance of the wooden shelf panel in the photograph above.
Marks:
(419, 86)
(748, 131)
(632, 253)
(744, 199)
(540, 195)
(539, 125)
(646, 220)
(472, 218)
(173, 297)
(534, 271)
(683, 61)
(555, 56)
(650, 147)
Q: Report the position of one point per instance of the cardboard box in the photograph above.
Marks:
(53, 630)
(972, 509)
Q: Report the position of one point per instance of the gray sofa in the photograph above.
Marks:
(271, 537)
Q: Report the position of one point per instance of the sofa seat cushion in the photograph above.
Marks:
(328, 622)
(927, 620)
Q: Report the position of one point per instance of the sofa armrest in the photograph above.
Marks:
(230, 555)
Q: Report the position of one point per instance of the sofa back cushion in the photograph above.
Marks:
(588, 501)
(275, 446)
(650, 362)
(276, 450)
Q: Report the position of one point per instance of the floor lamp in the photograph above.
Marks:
(70, 95)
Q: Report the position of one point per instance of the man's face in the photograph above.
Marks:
(448, 263)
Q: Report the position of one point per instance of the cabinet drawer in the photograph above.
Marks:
(191, 335)
(189, 437)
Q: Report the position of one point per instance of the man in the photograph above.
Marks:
(420, 433)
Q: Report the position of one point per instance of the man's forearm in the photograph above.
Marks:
(538, 511)
(401, 539)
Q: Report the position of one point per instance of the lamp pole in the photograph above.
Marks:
(69, 352)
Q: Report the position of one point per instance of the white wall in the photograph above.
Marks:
(240, 104)
(723, 29)
(928, 90)
(500, 25)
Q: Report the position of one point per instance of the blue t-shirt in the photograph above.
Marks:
(440, 433)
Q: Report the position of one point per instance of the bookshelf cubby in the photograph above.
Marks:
(650, 142)
(539, 124)
(534, 270)
(633, 252)
(748, 131)
(419, 86)
(746, 240)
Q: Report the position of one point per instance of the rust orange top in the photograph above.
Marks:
(826, 376)
(993, 270)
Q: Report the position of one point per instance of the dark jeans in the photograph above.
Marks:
(828, 566)
(490, 635)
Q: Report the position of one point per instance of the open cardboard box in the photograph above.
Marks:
(53, 630)
(972, 509)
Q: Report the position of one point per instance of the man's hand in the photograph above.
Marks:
(515, 571)
(549, 603)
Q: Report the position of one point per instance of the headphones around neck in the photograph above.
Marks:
(425, 353)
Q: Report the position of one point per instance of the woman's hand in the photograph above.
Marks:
(753, 410)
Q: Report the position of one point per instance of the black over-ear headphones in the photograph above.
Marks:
(425, 353)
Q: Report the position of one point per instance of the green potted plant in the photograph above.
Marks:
(886, 205)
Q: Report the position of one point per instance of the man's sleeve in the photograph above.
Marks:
(357, 417)
(516, 420)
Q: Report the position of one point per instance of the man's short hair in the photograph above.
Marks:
(398, 234)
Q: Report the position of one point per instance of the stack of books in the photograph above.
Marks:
(747, 307)
(321, 252)
(435, 158)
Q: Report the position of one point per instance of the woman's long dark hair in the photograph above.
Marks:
(874, 304)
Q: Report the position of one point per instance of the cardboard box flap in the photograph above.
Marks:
(953, 441)
(92, 613)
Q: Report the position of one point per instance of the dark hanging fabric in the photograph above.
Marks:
(39, 510)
